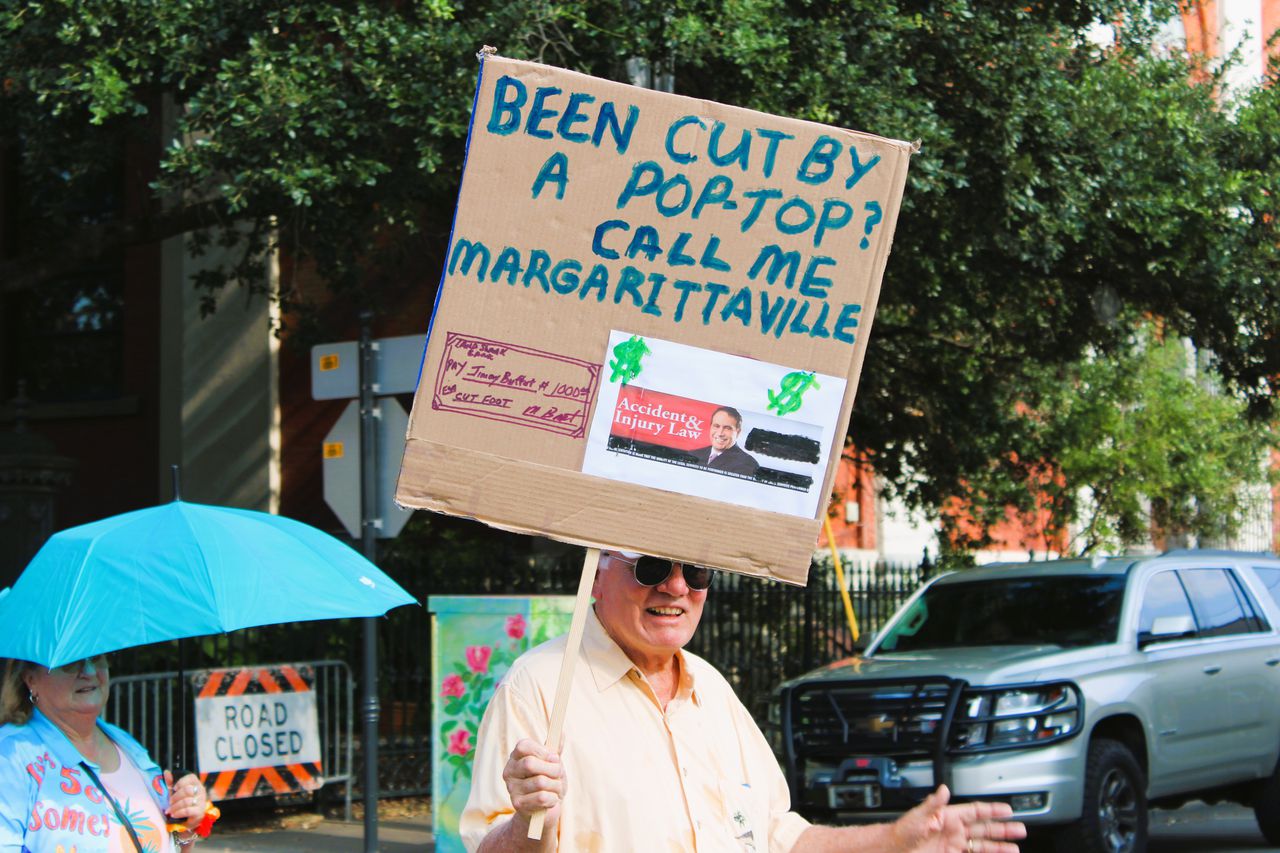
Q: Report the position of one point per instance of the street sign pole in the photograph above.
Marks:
(360, 489)
(369, 543)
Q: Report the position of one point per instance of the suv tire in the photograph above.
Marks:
(1266, 808)
(1114, 819)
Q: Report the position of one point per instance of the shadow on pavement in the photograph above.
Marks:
(324, 836)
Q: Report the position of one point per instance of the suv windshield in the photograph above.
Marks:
(1056, 610)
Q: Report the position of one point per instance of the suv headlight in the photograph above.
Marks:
(1006, 717)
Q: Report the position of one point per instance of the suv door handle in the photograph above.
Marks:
(1212, 669)
(1273, 661)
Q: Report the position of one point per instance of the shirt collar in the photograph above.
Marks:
(68, 756)
(57, 742)
(609, 664)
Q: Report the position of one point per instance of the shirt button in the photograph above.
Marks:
(684, 770)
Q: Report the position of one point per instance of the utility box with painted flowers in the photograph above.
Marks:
(474, 640)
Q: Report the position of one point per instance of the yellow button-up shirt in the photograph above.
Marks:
(698, 776)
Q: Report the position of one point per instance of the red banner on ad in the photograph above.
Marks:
(653, 417)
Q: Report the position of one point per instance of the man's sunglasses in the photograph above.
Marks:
(651, 571)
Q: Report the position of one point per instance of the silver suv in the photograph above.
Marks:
(1080, 692)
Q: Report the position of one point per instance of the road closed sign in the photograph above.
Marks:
(257, 731)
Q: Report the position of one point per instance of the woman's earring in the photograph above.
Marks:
(35, 700)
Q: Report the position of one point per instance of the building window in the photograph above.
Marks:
(65, 339)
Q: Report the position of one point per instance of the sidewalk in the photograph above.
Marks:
(326, 836)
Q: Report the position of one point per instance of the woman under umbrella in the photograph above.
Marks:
(71, 781)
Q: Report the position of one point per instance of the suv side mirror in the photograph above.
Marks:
(1167, 628)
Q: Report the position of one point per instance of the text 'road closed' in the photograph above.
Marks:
(256, 730)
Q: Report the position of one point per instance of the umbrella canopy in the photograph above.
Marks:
(182, 570)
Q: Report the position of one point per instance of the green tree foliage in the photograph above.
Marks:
(1058, 185)
(1140, 443)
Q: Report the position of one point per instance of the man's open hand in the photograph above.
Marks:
(936, 827)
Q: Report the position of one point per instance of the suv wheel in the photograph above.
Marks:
(1114, 819)
(1266, 808)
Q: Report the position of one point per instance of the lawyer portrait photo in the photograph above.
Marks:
(724, 454)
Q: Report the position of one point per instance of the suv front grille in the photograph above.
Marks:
(899, 718)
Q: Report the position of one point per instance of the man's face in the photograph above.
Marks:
(649, 623)
(724, 431)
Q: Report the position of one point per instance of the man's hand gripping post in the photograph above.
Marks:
(579, 622)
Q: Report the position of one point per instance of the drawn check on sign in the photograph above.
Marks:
(506, 382)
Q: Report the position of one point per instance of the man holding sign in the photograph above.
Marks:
(660, 754)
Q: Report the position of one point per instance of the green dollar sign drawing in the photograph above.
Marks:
(627, 363)
(793, 387)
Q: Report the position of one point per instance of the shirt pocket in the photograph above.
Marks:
(747, 816)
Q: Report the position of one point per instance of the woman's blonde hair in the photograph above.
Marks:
(15, 698)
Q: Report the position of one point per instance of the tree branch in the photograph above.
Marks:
(91, 243)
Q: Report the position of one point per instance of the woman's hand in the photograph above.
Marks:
(187, 799)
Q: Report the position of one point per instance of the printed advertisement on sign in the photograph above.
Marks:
(712, 425)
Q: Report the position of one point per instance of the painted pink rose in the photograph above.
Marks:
(478, 658)
(515, 626)
(452, 686)
(460, 742)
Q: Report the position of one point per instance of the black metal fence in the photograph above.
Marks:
(756, 632)
(759, 633)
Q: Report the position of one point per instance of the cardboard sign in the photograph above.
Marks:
(257, 731)
(652, 318)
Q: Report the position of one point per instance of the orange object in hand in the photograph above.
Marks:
(211, 815)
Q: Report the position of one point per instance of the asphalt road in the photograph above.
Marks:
(1199, 828)
(325, 836)
(1195, 828)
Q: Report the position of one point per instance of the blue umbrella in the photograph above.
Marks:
(182, 570)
